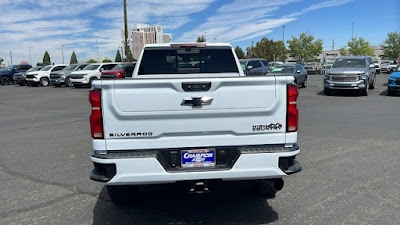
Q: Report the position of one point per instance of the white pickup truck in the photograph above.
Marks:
(190, 114)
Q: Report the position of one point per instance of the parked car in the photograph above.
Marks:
(61, 77)
(89, 73)
(394, 81)
(122, 70)
(313, 67)
(272, 65)
(7, 74)
(42, 77)
(253, 67)
(377, 64)
(388, 66)
(19, 78)
(351, 73)
(296, 70)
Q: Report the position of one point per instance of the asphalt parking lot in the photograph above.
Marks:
(350, 153)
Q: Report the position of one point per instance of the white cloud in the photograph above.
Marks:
(326, 4)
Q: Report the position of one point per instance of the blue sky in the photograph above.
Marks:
(38, 25)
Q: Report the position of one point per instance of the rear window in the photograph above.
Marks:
(181, 61)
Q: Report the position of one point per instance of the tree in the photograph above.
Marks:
(359, 47)
(73, 59)
(130, 56)
(1, 61)
(201, 38)
(91, 61)
(46, 59)
(343, 51)
(303, 48)
(118, 57)
(106, 60)
(391, 46)
(239, 52)
(268, 48)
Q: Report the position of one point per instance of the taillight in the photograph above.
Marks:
(96, 119)
(119, 75)
(292, 112)
(188, 45)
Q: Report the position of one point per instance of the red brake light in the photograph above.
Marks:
(292, 112)
(189, 45)
(96, 119)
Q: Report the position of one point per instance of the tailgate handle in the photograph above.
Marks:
(190, 86)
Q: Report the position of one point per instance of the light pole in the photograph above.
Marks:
(11, 58)
(97, 49)
(62, 52)
(126, 31)
(352, 30)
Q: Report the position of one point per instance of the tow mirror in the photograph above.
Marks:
(249, 67)
(101, 69)
(298, 71)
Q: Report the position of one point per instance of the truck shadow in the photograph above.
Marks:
(227, 203)
(342, 93)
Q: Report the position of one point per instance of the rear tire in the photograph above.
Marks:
(121, 194)
(44, 81)
(5, 80)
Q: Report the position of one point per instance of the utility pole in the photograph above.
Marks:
(333, 44)
(352, 30)
(252, 46)
(62, 52)
(11, 58)
(126, 32)
(30, 58)
(97, 49)
(283, 39)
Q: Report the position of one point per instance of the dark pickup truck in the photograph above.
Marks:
(7, 74)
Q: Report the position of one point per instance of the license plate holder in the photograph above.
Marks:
(198, 158)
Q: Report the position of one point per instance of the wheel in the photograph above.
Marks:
(68, 83)
(390, 91)
(267, 188)
(327, 91)
(304, 83)
(44, 81)
(364, 92)
(378, 72)
(57, 85)
(5, 80)
(21, 84)
(372, 85)
(121, 194)
(77, 85)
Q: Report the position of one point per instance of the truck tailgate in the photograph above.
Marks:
(139, 113)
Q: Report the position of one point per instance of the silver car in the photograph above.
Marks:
(351, 73)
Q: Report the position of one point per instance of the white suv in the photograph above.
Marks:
(89, 73)
(42, 76)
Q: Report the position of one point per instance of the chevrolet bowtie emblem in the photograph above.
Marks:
(197, 102)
